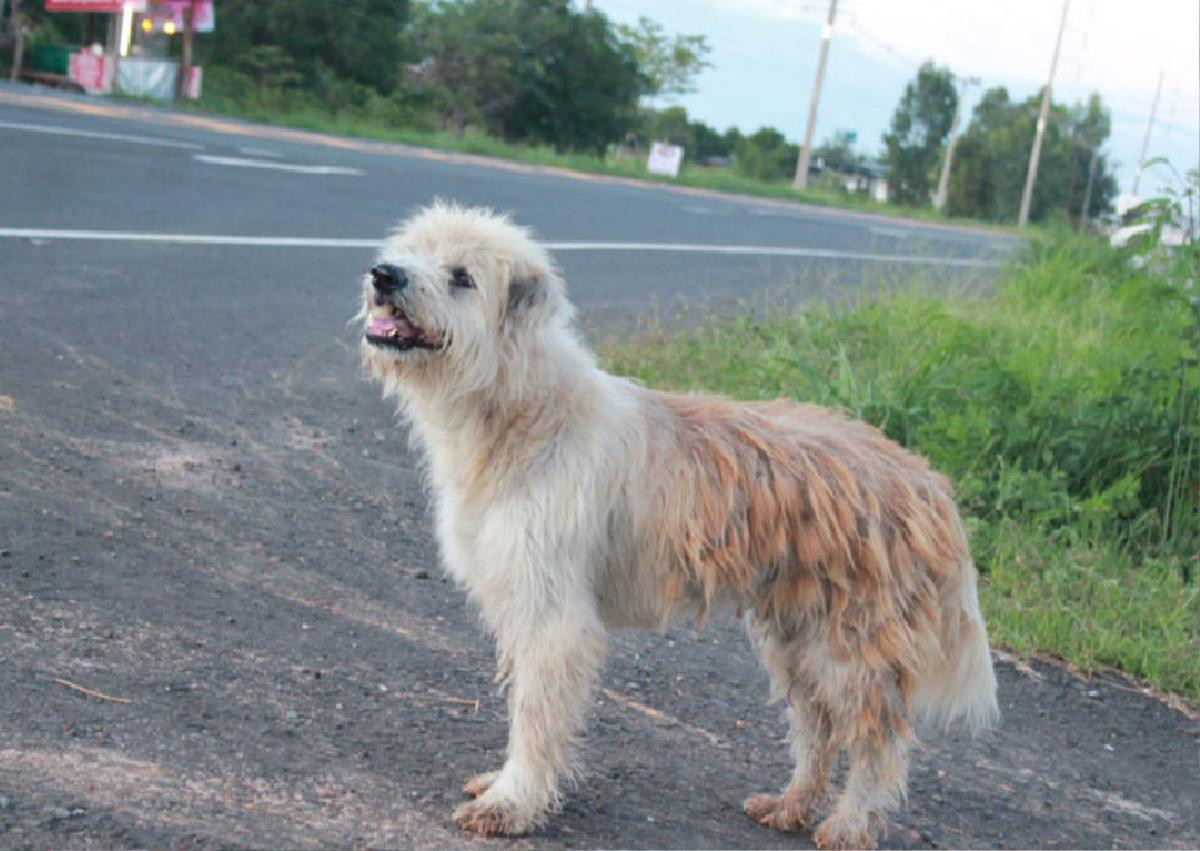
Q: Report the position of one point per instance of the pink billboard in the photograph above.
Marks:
(203, 20)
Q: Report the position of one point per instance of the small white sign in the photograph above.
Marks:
(664, 159)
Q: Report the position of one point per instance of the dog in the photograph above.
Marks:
(570, 502)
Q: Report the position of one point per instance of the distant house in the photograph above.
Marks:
(861, 178)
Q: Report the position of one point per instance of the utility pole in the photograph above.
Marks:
(939, 200)
(185, 56)
(1146, 141)
(17, 23)
(1087, 193)
(1031, 174)
(801, 181)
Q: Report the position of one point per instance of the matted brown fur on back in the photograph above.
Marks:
(810, 518)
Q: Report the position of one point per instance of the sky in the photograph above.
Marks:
(764, 59)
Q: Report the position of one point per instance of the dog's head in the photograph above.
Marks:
(452, 295)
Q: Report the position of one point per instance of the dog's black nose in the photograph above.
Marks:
(387, 278)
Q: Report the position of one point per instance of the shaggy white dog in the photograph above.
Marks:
(570, 501)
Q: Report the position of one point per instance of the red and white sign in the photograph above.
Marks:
(664, 159)
(89, 70)
(108, 6)
(203, 19)
(192, 83)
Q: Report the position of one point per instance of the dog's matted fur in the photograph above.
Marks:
(570, 501)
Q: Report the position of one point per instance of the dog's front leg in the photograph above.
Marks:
(555, 666)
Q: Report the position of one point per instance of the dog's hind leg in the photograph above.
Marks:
(810, 741)
(555, 667)
(878, 775)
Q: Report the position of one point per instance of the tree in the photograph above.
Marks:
(578, 83)
(669, 64)
(765, 155)
(530, 70)
(354, 40)
(16, 26)
(699, 141)
(988, 174)
(1092, 125)
(919, 128)
(837, 154)
(471, 50)
(709, 142)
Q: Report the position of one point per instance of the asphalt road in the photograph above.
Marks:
(211, 522)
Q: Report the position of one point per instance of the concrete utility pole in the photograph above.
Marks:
(939, 200)
(1031, 175)
(1087, 193)
(801, 181)
(17, 23)
(1146, 141)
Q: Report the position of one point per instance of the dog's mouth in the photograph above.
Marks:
(399, 333)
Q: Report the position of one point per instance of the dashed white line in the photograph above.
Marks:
(55, 130)
(776, 251)
(187, 238)
(239, 162)
(260, 152)
(668, 247)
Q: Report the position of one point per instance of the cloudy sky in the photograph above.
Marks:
(765, 54)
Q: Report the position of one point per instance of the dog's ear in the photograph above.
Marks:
(534, 298)
(526, 294)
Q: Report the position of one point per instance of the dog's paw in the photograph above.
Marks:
(487, 818)
(836, 834)
(788, 812)
(480, 783)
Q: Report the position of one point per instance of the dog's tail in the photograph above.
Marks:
(962, 685)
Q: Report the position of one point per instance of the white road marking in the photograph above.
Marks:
(299, 169)
(259, 152)
(776, 251)
(96, 134)
(668, 247)
(187, 238)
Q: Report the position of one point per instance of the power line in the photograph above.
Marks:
(882, 45)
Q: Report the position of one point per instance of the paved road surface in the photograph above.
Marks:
(207, 518)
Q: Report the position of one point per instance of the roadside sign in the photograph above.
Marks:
(664, 159)
(89, 71)
(203, 19)
(191, 83)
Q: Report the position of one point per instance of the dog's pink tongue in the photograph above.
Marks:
(391, 326)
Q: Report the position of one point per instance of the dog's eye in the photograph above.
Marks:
(460, 277)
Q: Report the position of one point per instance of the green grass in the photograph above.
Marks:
(380, 121)
(1095, 605)
(1064, 404)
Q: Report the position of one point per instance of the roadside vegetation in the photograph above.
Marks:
(550, 82)
(1065, 406)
